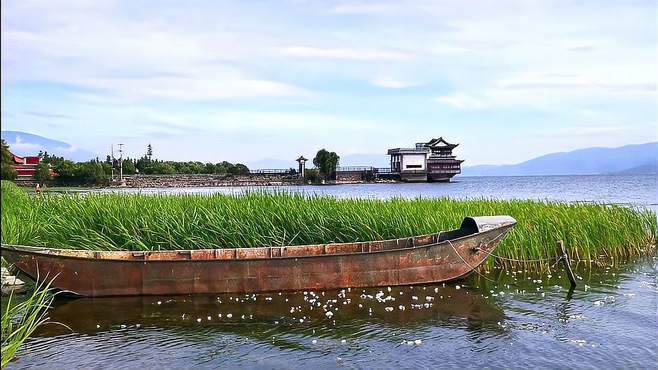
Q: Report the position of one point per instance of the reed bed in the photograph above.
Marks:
(591, 232)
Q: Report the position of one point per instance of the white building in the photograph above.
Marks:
(431, 161)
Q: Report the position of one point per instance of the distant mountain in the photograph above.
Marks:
(24, 144)
(645, 169)
(591, 161)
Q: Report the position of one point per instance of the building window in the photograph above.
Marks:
(414, 166)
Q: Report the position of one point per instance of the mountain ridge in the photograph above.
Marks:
(585, 161)
(26, 144)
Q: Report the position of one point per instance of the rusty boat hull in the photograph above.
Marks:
(440, 257)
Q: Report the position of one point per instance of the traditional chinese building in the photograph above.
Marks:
(431, 161)
(26, 167)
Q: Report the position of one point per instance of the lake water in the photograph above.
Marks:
(500, 319)
(636, 190)
(506, 319)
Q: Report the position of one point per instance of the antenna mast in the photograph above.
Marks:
(120, 162)
(112, 160)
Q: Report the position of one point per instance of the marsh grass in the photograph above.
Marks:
(20, 318)
(95, 221)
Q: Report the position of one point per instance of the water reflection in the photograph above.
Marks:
(502, 319)
(348, 313)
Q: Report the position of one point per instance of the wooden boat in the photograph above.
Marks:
(439, 257)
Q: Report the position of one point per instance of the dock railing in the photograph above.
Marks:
(273, 171)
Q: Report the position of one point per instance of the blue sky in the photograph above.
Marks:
(249, 80)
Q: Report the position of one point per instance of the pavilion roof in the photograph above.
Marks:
(437, 142)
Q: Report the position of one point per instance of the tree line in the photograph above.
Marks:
(99, 172)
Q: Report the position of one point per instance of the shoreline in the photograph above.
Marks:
(224, 181)
(204, 181)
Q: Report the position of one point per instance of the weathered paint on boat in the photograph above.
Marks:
(438, 257)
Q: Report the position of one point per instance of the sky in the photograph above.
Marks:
(246, 81)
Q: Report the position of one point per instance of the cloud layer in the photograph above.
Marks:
(277, 78)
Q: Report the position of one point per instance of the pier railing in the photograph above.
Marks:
(273, 171)
(363, 169)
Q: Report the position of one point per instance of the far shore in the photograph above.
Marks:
(202, 181)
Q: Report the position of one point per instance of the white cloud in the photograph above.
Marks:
(348, 54)
(392, 83)
(161, 68)
(363, 9)
(24, 146)
(462, 101)
(128, 58)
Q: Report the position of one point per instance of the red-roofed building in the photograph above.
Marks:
(26, 167)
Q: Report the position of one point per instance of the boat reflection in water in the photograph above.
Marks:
(336, 313)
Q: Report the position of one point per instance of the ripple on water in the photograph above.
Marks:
(461, 328)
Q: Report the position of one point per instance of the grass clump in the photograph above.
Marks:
(20, 319)
(159, 222)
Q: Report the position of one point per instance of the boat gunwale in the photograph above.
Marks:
(69, 253)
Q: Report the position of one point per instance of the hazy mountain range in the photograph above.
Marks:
(629, 159)
(24, 144)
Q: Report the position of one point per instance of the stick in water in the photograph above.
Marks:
(567, 265)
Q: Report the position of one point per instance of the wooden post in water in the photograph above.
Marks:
(567, 264)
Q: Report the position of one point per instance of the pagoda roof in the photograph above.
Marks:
(437, 142)
(301, 158)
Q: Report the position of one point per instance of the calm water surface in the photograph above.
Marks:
(637, 190)
(506, 319)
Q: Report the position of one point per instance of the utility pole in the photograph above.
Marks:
(112, 164)
(120, 162)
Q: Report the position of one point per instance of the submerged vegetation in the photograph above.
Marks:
(154, 222)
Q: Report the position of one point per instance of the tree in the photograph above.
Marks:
(128, 167)
(240, 169)
(91, 172)
(209, 168)
(149, 151)
(66, 171)
(226, 167)
(326, 162)
(313, 175)
(43, 173)
(7, 171)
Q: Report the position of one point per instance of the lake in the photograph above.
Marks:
(634, 190)
(498, 319)
(502, 319)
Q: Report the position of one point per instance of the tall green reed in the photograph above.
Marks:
(591, 232)
(20, 319)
